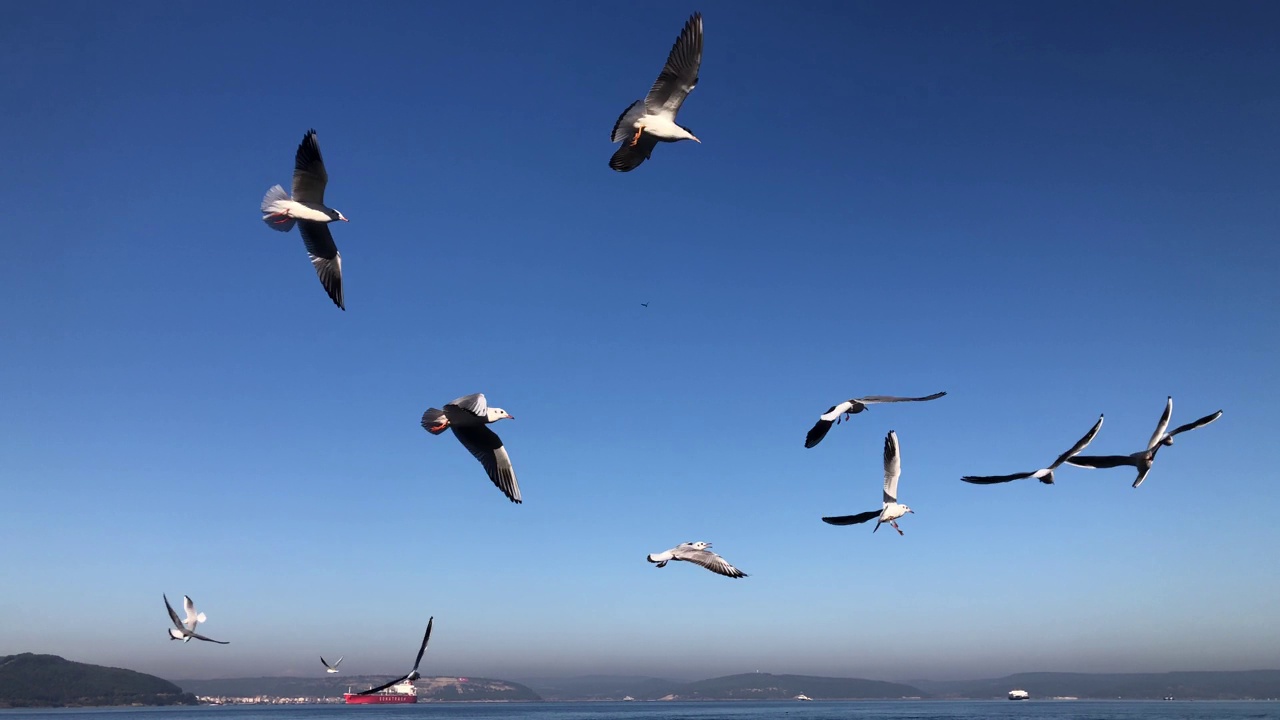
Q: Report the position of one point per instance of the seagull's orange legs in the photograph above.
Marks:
(636, 138)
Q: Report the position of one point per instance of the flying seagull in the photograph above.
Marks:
(699, 554)
(468, 417)
(184, 630)
(308, 210)
(853, 407)
(1044, 475)
(1144, 459)
(645, 304)
(652, 120)
(330, 668)
(891, 510)
(413, 674)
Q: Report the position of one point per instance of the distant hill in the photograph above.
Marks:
(748, 686)
(1206, 685)
(30, 680)
(429, 688)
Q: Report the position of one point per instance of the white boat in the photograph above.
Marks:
(802, 697)
(1019, 695)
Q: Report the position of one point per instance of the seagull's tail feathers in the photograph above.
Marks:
(625, 127)
(271, 207)
(434, 421)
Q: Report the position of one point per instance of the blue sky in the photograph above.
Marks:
(1048, 210)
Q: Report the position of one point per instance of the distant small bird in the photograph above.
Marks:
(468, 416)
(413, 674)
(698, 553)
(330, 668)
(308, 210)
(1044, 475)
(184, 630)
(645, 304)
(652, 120)
(891, 510)
(853, 407)
(1144, 459)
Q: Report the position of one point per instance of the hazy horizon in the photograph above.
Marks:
(1050, 211)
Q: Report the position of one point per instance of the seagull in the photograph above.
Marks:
(330, 668)
(1044, 475)
(308, 210)
(652, 120)
(413, 674)
(1144, 459)
(645, 304)
(853, 407)
(184, 630)
(468, 416)
(891, 510)
(700, 554)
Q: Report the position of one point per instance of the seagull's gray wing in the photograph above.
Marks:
(425, 638)
(327, 665)
(476, 404)
(1164, 423)
(892, 467)
(1103, 461)
(309, 175)
(993, 479)
(486, 446)
(852, 519)
(1081, 444)
(873, 399)
(324, 257)
(1196, 423)
(708, 560)
(380, 688)
(680, 75)
(628, 157)
(198, 636)
(173, 615)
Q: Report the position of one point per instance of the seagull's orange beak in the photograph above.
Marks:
(695, 139)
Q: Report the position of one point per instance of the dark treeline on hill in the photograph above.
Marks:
(29, 680)
(1206, 685)
(429, 688)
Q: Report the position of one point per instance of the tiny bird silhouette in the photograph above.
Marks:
(645, 304)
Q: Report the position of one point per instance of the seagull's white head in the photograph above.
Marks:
(700, 545)
(494, 414)
(906, 510)
(336, 215)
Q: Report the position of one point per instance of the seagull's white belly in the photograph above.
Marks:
(662, 126)
(295, 209)
(892, 511)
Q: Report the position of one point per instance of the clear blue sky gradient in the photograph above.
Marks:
(1049, 210)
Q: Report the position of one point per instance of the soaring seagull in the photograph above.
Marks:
(698, 553)
(308, 210)
(413, 674)
(184, 630)
(891, 510)
(468, 417)
(853, 407)
(1044, 475)
(652, 120)
(1144, 459)
(330, 668)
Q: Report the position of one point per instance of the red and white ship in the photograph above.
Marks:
(403, 692)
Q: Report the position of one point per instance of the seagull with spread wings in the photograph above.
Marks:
(330, 668)
(1044, 475)
(307, 209)
(469, 417)
(1144, 459)
(652, 120)
(185, 629)
(698, 553)
(891, 509)
(852, 407)
(413, 674)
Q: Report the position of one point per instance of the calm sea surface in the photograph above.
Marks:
(790, 710)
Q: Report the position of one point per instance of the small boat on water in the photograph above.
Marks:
(397, 694)
(1019, 695)
(803, 698)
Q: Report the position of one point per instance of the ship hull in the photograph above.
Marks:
(379, 699)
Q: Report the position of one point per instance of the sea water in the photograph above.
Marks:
(745, 710)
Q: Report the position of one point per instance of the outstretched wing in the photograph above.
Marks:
(309, 175)
(486, 446)
(892, 467)
(1102, 461)
(425, 638)
(380, 688)
(1196, 423)
(852, 519)
(993, 479)
(679, 75)
(198, 636)
(1081, 444)
(324, 258)
(873, 399)
(628, 157)
(708, 560)
(177, 622)
(476, 404)
(1164, 423)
